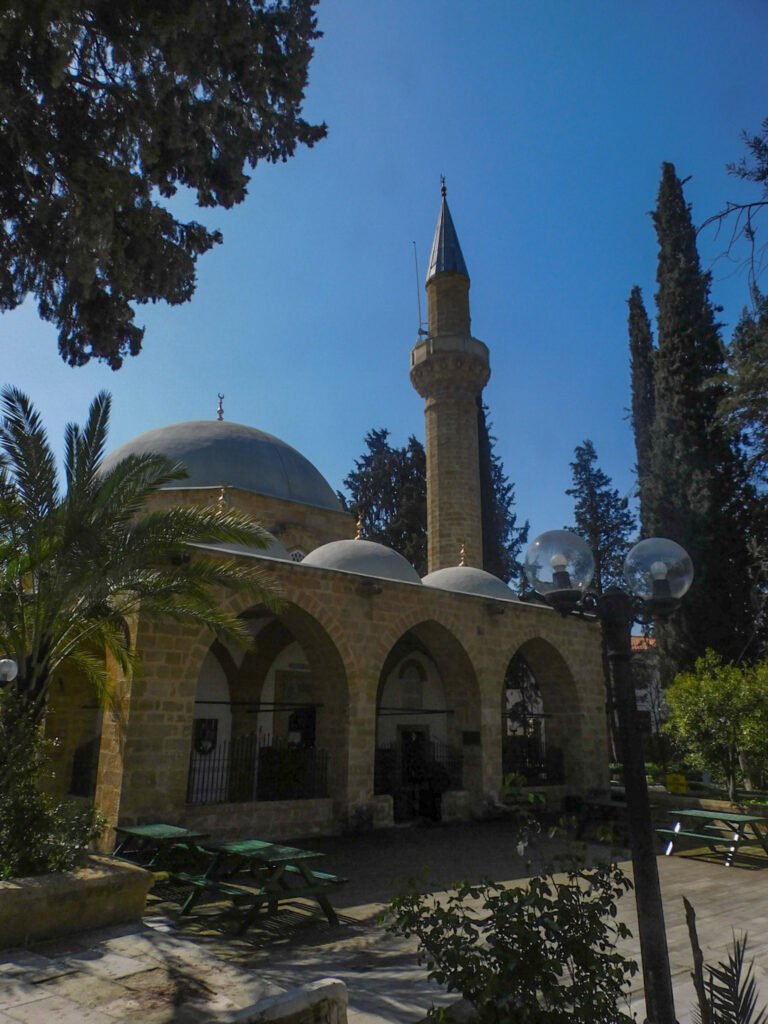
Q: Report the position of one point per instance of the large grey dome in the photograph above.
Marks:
(465, 579)
(218, 453)
(365, 558)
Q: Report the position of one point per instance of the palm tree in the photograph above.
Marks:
(77, 560)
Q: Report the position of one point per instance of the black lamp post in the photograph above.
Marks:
(559, 566)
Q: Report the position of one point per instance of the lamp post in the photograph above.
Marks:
(658, 572)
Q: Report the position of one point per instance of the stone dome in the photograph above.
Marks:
(465, 579)
(274, 549)
(365, 558)
(217, 453)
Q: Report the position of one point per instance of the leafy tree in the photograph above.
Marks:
(540, 953)
(76, 561)
(718, 714)
(744, 406)
(695, 491)
(388, 496)
(37, 834)
(643, 395)
(742, 217)
(108, 108)
(387, 493)
(503, 539)
(602, 517)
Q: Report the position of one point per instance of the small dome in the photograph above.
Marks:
(218, 453)
(465, 579)
(365, 558)
(274, 549)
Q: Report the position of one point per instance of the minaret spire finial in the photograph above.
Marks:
(220, 410)
(443, 189)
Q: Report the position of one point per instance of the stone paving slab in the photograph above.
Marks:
(172, 970)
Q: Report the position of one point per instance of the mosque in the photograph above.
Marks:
(371, 696)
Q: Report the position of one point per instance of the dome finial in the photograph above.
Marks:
(220, 410)
(462, 554)
(223, 499)
(443, 189)
(359, 527)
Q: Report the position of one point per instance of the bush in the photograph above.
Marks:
(37, 834)
(543, 953)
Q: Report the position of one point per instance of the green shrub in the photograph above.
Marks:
(37, 834)
(543, 953)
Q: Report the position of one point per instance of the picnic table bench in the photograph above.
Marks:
(253, 874)
(724, 832)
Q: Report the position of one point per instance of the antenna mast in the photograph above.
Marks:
(421, 331)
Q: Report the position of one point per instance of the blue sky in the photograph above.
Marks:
(550, 120)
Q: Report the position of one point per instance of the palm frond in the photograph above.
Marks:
(29, 460)
(732, 992)
(84, 447)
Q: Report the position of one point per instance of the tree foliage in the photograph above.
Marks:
(540, 953)
(388, 496)
(602, 517)
(744, 405)
(77, 561)
(718, 715)
(503, 539)
(387, 493)
(641, 352)
(37, 834)
(694, 487)
(109, 108)
(741, 218)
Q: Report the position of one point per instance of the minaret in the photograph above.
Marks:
(449, 369)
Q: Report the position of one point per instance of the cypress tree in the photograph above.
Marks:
(502, 537)
(643, 394)
(602, 517)
(696, 489)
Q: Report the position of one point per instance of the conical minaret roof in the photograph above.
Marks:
(446, 255)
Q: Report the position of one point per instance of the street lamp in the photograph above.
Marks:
(658, 572)
(8, 670)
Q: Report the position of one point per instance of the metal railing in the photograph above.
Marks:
(526, 757)
(250, 768)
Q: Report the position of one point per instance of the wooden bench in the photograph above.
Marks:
(711, 838)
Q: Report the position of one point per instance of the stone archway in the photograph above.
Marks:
(279, 709)
(541, 717)
(427, 721)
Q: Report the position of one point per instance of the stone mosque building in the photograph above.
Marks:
(372, 696)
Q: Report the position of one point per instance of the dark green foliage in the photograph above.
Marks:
(602, 517)
(744, 406)
(388, 496)
(502, 537)
(108, 106)
(643, 394)
(540, 953)
(37, 835)
(695, 491)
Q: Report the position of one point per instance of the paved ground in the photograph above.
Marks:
(169, 970)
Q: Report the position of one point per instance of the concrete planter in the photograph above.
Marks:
(102, 892)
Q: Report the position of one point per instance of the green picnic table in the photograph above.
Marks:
(253, 874)
(157, 845)
(723, 832)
